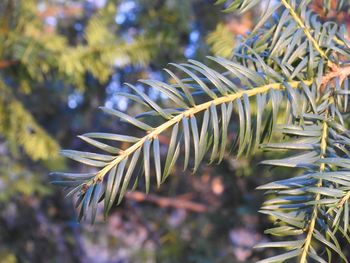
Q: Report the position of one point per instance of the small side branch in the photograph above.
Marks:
(314, 216)
(189, 112)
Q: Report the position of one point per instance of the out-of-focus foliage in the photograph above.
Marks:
(226, 35)
(32, 56)
(42, 54)
(103, 50)
(20, 128)
(221, 41)
(18, 180)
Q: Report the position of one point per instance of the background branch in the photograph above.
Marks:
(175, 202)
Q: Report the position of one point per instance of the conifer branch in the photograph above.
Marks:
(191, 112)
(306, 30)
(314, 216)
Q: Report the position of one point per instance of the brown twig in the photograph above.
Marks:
(176, 202)
(7, 63)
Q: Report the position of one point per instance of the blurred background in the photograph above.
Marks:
(59, 61)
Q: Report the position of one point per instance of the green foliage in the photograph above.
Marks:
(31, 57)
(221, 41)
(103, 50)
(43, 54)
(7, 257)
(19, 128)
(17, 181)
(294, 69)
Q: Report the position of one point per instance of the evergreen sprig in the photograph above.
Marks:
(293, 69)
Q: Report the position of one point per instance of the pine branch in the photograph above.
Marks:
(155, 132)
(120, 168)
(313, 231)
